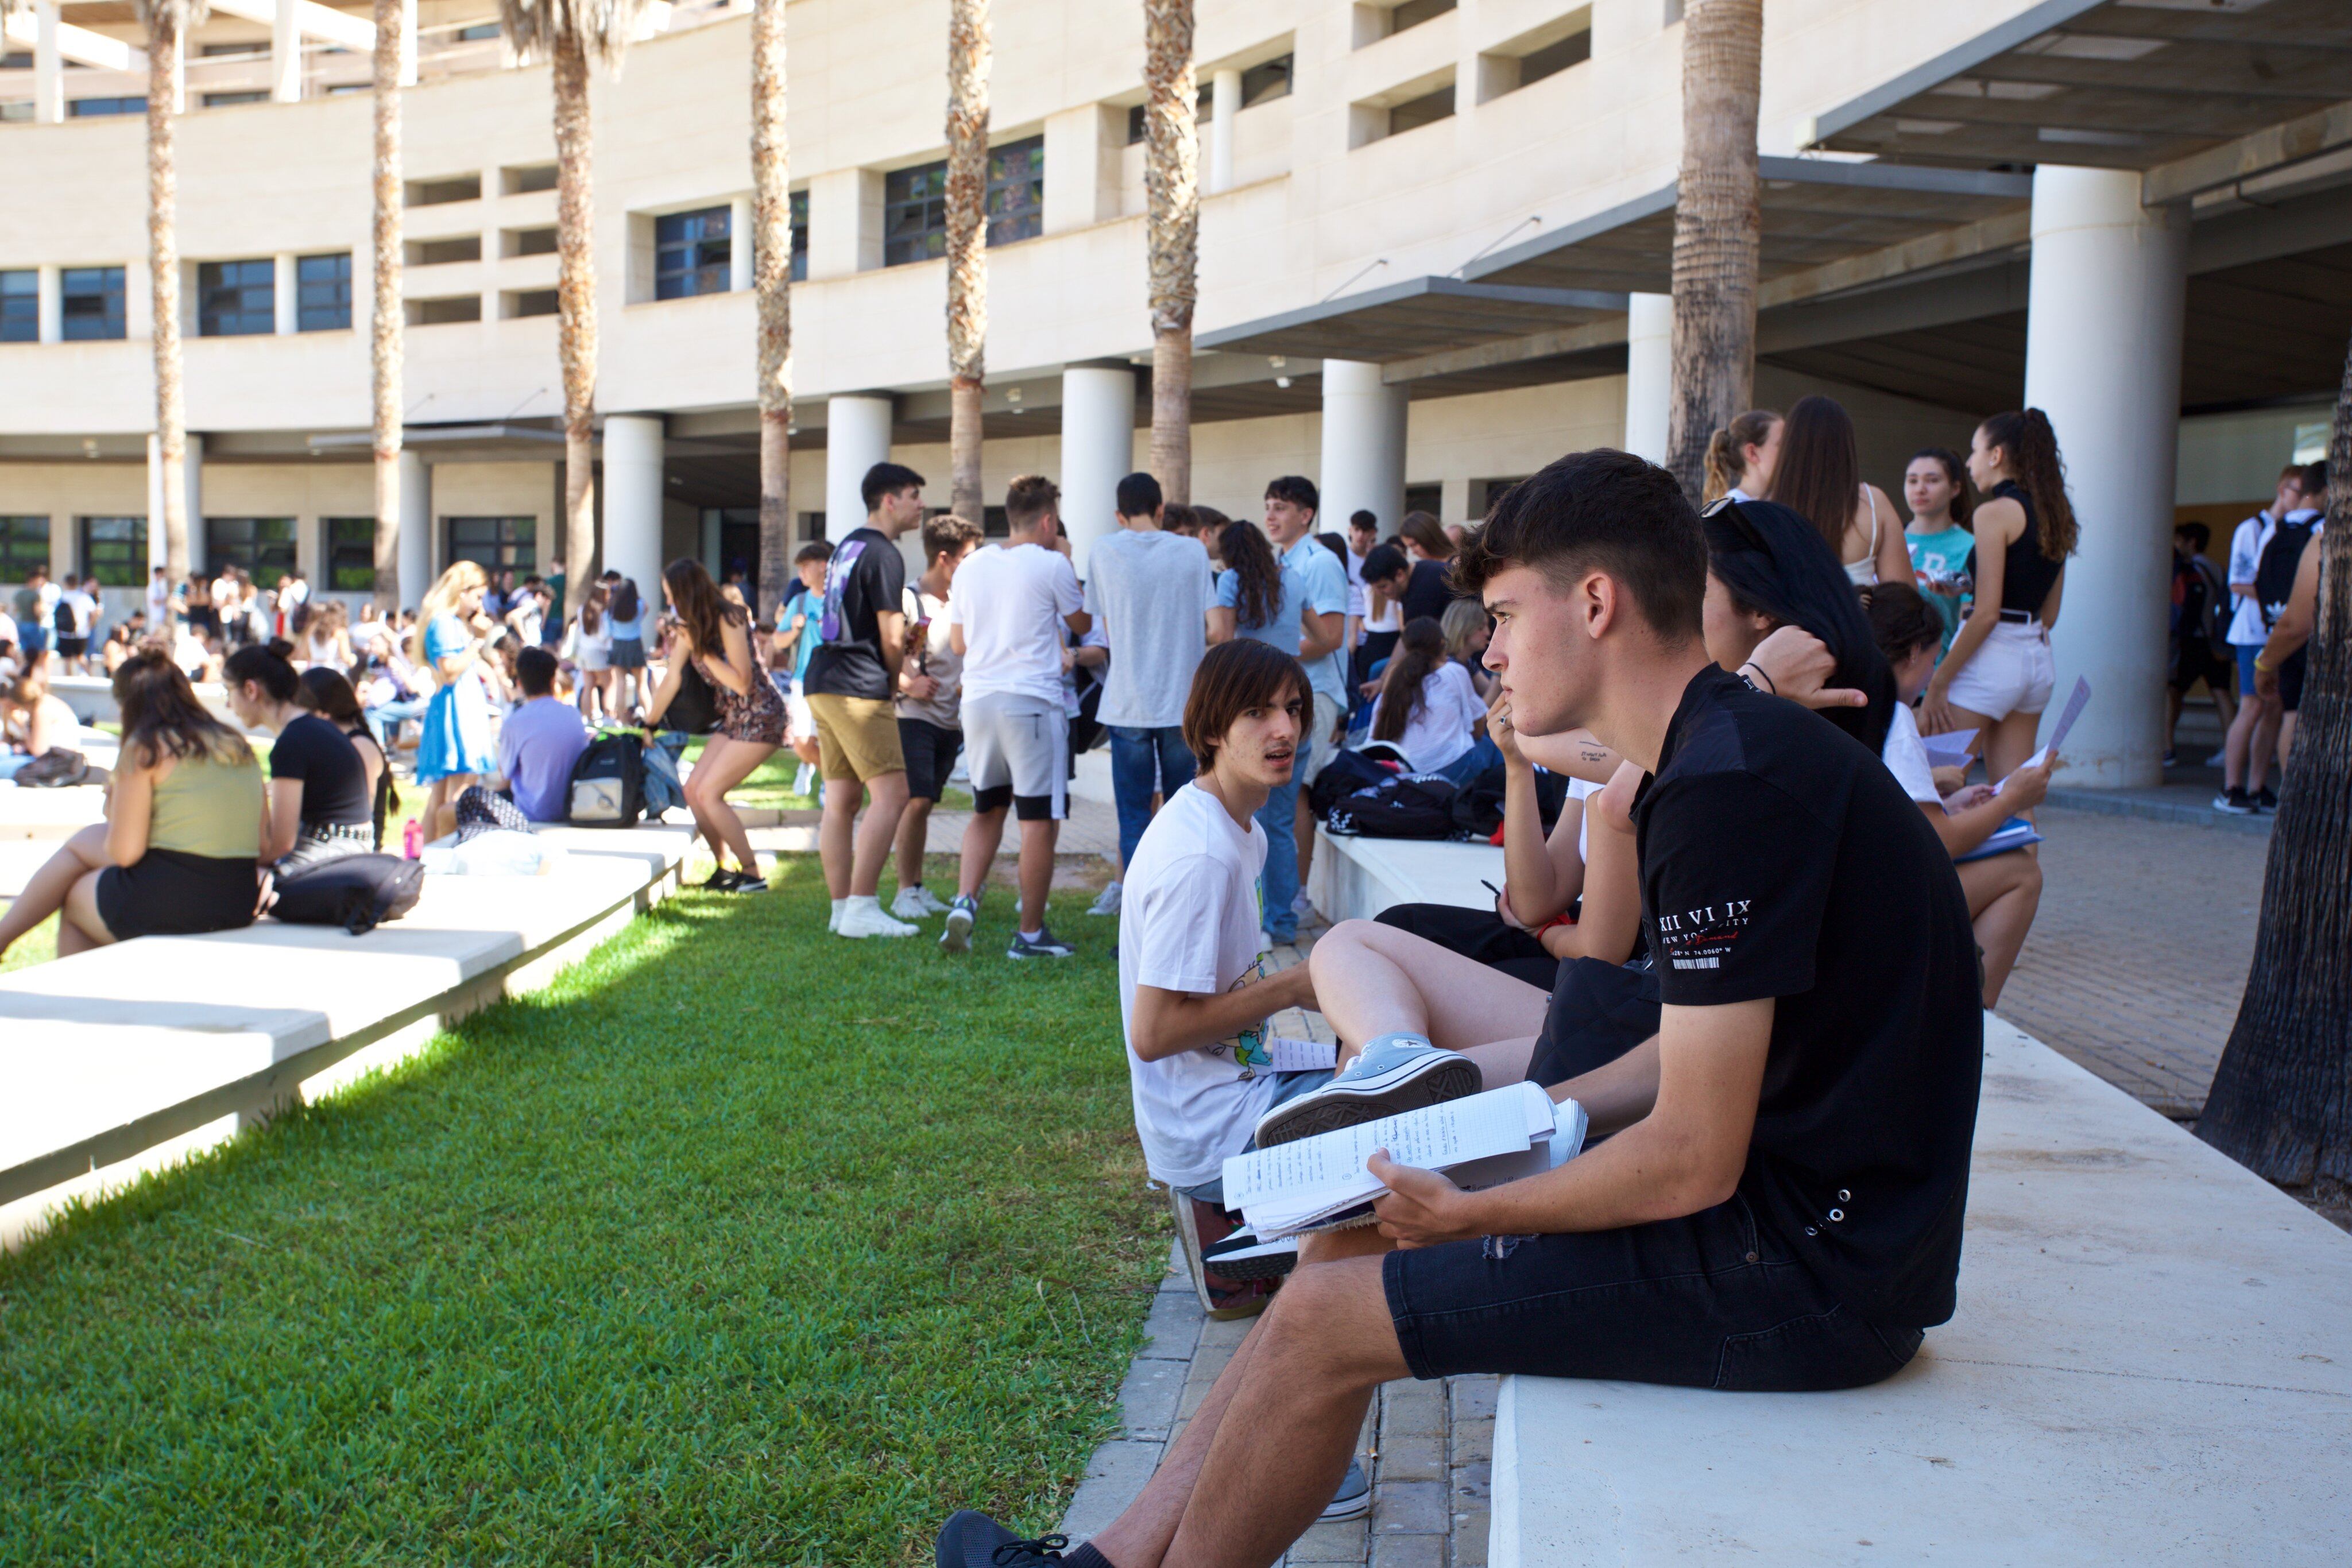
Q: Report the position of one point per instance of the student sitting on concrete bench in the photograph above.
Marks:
(1778, 1204)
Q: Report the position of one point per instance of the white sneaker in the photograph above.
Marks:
(1108, 903)
(865, 918)
(916, 903)
(1302, 906)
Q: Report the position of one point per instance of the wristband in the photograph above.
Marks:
(1752, 665)
(2262, 668)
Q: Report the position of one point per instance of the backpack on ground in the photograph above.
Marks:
(1346, 772)
(357, 892)
(1408, 806)
(2275, 575)
(55, 769)
(608, 782)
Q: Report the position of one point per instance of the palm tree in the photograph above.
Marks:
(168, 23)
(385, 345)
(1717, 229)
(1171, 169)
(2279, 1104)
(568, 34)
(966, 201)
(771, 285)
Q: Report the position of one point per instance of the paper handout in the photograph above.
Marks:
(1285, 1054)
(2074, 710)
(1949, 750)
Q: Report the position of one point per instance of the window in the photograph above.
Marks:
(529, 302)
(435, 192)
(529, 242)
(525, 178)
(350, 555)
(1263, 83)
(495, 542)
(16, 61)
(91, 303)
(236, 298)
(322, 292)
(1203, 105)
(1555, 57)
(20, 306)
(1427, 110)
(224, 100)
(473, 35)
(1485, 492)
(114, 551)
(1414, 13)
(444, 311)
(915, 202)
(692, 253)
(85, 108)
(1531, 57)
(262, 545)
(800, 236)
(255, 48)
(1427, 498)
(24, 545)
(439, 251)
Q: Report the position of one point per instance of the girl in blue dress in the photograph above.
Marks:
(458, 747)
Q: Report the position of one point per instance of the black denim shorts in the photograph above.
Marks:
(1709, 1301)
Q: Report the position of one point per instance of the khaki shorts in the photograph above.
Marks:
(856, 737)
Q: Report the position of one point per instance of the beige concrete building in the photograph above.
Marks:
(1434, 238)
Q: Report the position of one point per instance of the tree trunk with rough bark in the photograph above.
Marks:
(771, 283)
(2280, 1102)
(575, 297)
(385, 345)
(1717, 230)
(967, 215)
(167, 22)
(1172, 185)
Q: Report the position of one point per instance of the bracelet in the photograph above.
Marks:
(2264, 669)
(1752, 665)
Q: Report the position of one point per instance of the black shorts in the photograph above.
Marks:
(1709, 1301)
(2291, 669)
(167, 893)
(930, 752)
(1477, 934)
(2195, 660)
(72, 647)
(1598, 1011)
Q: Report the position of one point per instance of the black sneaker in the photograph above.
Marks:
(1047, 945)
(743, 884)
(2266, 799)
(2234, 802)
(721, 879)
(970, 1539)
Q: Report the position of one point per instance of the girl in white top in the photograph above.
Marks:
(1741, 456)
(1427, 708)
(1819, 476)
(327, 641)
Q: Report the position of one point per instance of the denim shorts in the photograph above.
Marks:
(1708, 1301)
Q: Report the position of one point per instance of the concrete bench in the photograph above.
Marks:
(129, 1058)
(1356, 878)
(2151, 1363)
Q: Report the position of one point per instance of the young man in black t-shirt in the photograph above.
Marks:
(852, 680)
(1778, 1203)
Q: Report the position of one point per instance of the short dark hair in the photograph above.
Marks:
(1138, 495)
(886, 479)
(1902, 622)
(1231, 679)
(535, 672)
(815, 549)
(1601, 508)
(947, 532)
(1363, 519)
(1296, 489)
(1385, 561)
(1029, 498)
(2315, 479)
(2200, 535)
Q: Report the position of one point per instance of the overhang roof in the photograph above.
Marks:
(2125, 84)
(1416, 316)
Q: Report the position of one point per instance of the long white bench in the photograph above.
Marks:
(2151, 1363)
(129, 1058)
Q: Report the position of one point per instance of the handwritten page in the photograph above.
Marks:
(1501, 1120)
(1285, 1054)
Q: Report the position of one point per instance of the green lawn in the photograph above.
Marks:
(771, 785)
(737, 1244)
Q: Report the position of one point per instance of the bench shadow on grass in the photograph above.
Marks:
(737, 1243)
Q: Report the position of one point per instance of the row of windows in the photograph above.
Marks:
(114, 549)
(1260, 84)
(915, 202)
(90, 303)
(234, 299)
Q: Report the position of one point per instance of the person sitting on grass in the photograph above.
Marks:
(539, 741)
(176, 854)
(319, 809)
(1735, 1232)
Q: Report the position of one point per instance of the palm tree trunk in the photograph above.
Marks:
(2281, 1099)
(164, 279)
(384, 337)
(1717, 230)
(967, 202)
(575, 295)
(771, 283)
(1172, 183)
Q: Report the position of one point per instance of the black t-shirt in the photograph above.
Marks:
(334, 780)
(864, 580)
(1427, 592)
(1781, 859)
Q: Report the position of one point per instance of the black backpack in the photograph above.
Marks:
(1478, 804)
(2274, 576)
(608, 782)
(357, 892)
(1408, 806)
(1346, 772)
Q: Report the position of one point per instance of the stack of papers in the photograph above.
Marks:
(1949, 750)
(1320, 1182)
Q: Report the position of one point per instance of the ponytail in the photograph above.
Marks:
(1726, 449)
(2030, 448)
(267, 666)
(1420, 650)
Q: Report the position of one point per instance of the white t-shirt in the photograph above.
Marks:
(1439, 731)
(1905, 756)
(1010, 601)
(1189, 921)
(82, 612)
(1149, 594)
(1581, 791)
(159, 599)
(1358, 596)
(2246, 628)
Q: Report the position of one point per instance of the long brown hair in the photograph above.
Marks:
(592, 609)
(1726, 449)
(1420, 650)
(2031, 446)
(1956, 469)
(701, 609)
(1257, 588)
(163, 717)
(1427, 532)
(1819, 476)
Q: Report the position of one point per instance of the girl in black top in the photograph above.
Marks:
(332, 697)
(318, 807)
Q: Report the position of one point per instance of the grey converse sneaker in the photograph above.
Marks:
(1396, 1072)
(1354, 1498)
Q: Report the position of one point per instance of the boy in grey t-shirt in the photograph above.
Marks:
(1149, 591)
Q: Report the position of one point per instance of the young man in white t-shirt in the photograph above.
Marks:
(2247, 750)
(1006, 609)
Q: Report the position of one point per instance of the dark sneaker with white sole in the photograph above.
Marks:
(1392, 1075)
(970, 1539)
(963, 914)
(1046, 945)
(722, 879)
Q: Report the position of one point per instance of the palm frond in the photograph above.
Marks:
(603, 26)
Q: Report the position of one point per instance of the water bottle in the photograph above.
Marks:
(411, 839)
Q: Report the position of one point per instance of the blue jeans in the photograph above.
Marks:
(385, 719)
(1481, 755)
(1279, 885)
(1142, 761)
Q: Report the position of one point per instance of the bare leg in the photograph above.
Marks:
(80, 927)
(1305, 836)
(981, 838)
(873, 835)
(1372, 979)
(2225, 702)
(725, 763)
(45, 891)
(2004, 894)
(2285, 740)
(836, 833)
(1037, 841)
(2264, 750)
(914, 838)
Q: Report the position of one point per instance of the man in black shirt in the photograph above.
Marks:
(850, 681)
(1778, 1203)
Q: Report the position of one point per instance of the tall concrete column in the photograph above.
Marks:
(738, 244)
(1224, 102)
(192, 489)
(49, 304)
(1363, 446)
(408, 42)
(1098, 450)
(49, 66)
(285, 56)
(633, 500)
(1649, 374)
(284, 295)
(2103, 360)
(857, 437)
(415, 528)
